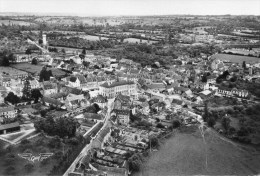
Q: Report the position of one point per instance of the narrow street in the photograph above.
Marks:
(88, 146)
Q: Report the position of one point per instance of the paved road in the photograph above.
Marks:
(88, 146)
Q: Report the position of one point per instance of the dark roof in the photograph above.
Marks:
(51, 101)
(73, 79)
(121, 111)
(117, 83)
(10, 125)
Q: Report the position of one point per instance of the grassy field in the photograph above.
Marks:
(185, 154)
(236, 58)
(27, 67)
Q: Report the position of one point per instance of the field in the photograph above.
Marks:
(186, 154)
(134, 40)
(236, 58)
(21, 23)
(92, 37)
(27, 67)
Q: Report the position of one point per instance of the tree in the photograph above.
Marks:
(28, 51)
(34, 61)
(135, 162)
(45, 74)
(159, 125)
(36, 94)
(153, 142)
(211, 121)
(61, 127)
(244, 64)
(84, 51)
(204, 78)
(12, 98)
(63, 51)
(27, 89)
(206, 111)
(28, 167)
(5, 61)
(176, 123)
(225, 123)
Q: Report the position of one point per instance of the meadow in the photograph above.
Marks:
(236, 58)
(185, 153)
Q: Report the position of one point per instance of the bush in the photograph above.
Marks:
(211, 121)
(159, 125)
(176, 124)
(25, 141)
(9, 161)
(10, 170)
(9, 155)
(28, 167)
(242, 132)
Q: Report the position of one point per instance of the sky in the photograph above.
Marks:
(133, 7)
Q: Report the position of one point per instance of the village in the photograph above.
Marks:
(114, 111)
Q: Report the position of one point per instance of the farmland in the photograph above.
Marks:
(186, 154)
(236, 58)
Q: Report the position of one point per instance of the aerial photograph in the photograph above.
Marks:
(129, 87)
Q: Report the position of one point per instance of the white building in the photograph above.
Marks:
(111, 89)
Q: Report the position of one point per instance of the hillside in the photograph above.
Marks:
(185, 154)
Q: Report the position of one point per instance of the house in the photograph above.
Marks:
(6, 81)
(122, 102)
(49, 88)
(16, 87)
(34, 84)
(7, 111)
(145, 108)
(123, 116)
(240, 93)
(77, 81)
(8, 128)
(3, 93)
(100, 100)
(48, 101)
(75, 101)
(157, 87)
(102, 138)
(111, 89)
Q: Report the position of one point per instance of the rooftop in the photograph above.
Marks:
(117, 83)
